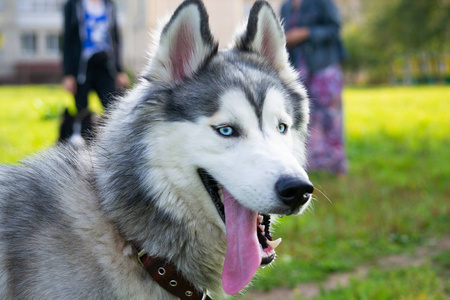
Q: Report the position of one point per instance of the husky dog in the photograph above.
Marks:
(188, 167)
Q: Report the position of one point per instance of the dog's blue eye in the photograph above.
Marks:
(226, 131)
(282, 128)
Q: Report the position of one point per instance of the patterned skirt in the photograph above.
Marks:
(326, 149)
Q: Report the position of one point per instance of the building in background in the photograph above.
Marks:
(30, 33)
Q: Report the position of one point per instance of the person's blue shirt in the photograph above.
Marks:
(97, 33)
(324, 46)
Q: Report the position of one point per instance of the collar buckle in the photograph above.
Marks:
(140, 254)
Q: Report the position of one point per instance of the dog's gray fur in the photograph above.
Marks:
(68, 217)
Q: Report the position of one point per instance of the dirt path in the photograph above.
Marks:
(311, 290)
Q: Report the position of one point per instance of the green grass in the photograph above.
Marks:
(413, 283)
(29, 118)
(442, 264)
(395, 197)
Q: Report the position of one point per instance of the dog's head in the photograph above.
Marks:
(238, 119)
(221, 134)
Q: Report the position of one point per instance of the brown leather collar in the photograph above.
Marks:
(168, 277)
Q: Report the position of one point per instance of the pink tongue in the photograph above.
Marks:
(243, 256)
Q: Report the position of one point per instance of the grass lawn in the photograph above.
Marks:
(29, 118)
(429, 281)
(413, 283)
(396, 196)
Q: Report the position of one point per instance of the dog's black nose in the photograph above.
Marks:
(294, 191)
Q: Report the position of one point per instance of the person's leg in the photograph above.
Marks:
(105, 86)
(81, 96)
(327, 150)
(83, 89)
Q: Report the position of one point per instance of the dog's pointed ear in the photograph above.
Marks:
(264, 35)
(185, 44)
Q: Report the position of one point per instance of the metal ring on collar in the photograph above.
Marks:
(173, 283)
(161, 271)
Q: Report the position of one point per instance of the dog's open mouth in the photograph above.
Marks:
(249, 241)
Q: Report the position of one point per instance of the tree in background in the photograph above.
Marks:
(389, 28)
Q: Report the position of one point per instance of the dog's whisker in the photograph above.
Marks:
(310, 209)
(318, 187)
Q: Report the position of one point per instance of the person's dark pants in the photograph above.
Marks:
(99, 79)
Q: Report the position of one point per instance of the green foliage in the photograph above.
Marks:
(388, 28)
(411, 25)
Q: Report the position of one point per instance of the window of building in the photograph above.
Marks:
(25, 5)
(40, 5)
(28, 43)
(53, 42)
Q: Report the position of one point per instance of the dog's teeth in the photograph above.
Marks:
(260, 219)
(262, 227)
(275, 243)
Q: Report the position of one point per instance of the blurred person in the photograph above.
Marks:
(315, 48)
(91, 51)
